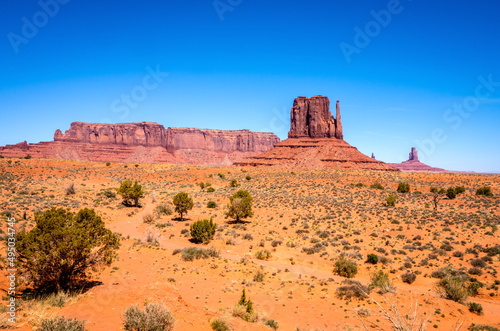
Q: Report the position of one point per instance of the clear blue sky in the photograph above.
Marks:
(407, 74)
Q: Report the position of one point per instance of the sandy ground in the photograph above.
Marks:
(293, 211)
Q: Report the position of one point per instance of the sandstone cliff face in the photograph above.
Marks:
(227, 141)
(131, 134)
(147, 142)
(315, 141)
(311, 117)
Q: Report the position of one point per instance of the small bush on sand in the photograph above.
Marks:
(345, 267)
(203, 231)
(62, 324)
(154, 317)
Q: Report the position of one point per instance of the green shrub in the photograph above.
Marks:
(130, 192)
(475, 308)
(259, 277)
(377, 186)
(210, 189)
(403, 187)
(391, 200)
(63, 247)
(272, 324)
(192, 253)
(234, 183)
(451, 193)
(211, 204)
(248, 177)
(460, 189)
(240, 206)
(453, 288)
(154, 317)
(220, 325)
(263, 255)
(372, 258)
(203, 231)
(222, 176)
(486, 191)
(381, 281)
(182, 203)
(108, 164)
(345, 267)
(62, 324)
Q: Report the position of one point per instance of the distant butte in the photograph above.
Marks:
(413, 164)
(147, 142)
(315, 141)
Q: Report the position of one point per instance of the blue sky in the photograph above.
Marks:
(408, 73)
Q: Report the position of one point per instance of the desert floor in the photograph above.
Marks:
(304, 218)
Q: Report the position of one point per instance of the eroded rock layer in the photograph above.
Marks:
(147, 142)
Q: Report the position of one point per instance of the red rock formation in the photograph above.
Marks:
(413, 164)
(147, 143)
(315, 141)
(311, 117)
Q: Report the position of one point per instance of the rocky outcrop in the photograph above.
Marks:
(130, 134)
(311, 117)
(413, 164)
(315, 141)
(147, 142)
(413, 156)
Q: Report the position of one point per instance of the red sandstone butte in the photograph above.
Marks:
(147, 142)
(315, 141)
(413, 164)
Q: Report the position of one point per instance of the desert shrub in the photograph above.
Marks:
(460, 189)
(403, 187)
(27, 157)
(163, 209)
(154, 317)
(109, 194)
(345, 267)
(63, 247)
(352, 289)
(475, 271)
(486, 191)
(62, 324)
(377, 186)
(272, 324)
(130, 192)
(360, 185)
(478, 263)
(453, 288)
(70, 189)
(263, 255)
(182, 203)
(475, 308)
(259, 277)
(482, 327)
(372, 258)
(108, 164)
(203, 185)
(451, 193)
(381, 281)
(234, 183)
(222, 176)
(458, 254)
(391, 200)
(192, 253)
(408, 277)
(240, 205)
(148, 218)
(210, 189)
(211, 204)
(244, 308)
(220, 325)
(248, 177)
(203, 231)
(473, 287)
